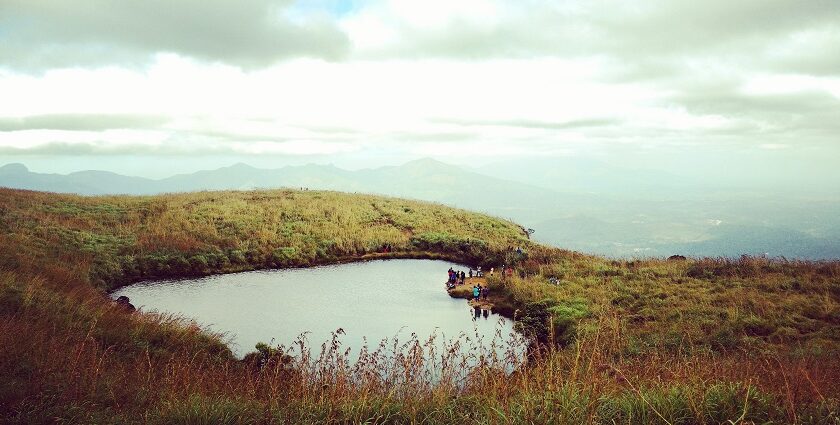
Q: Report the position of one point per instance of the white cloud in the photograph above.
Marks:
(41, 35)
(477, 77)
(773, 146)
(293, 147)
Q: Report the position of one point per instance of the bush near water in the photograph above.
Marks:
(745, 340)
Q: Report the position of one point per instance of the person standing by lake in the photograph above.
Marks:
(476, 292)
(484, 291)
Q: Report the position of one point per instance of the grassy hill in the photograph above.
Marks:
(572, 204)
(123, 239)
(655, 341)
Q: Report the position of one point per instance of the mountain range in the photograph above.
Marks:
(582, 207)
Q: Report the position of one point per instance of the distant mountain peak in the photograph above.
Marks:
(315, 166)
(241, 166)
(14, 168)
(427, 163)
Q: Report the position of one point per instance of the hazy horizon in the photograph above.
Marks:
(786, 182)
(731, 92)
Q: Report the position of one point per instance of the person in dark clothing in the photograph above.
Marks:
(484, 291)
(471, 272)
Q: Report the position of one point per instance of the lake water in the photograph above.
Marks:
(373, 300)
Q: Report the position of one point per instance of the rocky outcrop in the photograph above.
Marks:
(124, 303)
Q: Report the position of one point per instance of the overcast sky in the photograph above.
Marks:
(156, 87)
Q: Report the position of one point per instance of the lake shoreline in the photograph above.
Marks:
(288, 303)
(402, 255)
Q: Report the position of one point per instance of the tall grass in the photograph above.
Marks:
(743, 340)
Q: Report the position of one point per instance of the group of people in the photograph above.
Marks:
(456, 278)
(480, 292)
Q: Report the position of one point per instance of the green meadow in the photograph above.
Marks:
(694, 341)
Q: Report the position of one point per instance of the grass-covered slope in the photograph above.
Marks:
(654, 341)
(709, 304)
(123, 239)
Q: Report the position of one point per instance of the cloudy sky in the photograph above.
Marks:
(162, 86)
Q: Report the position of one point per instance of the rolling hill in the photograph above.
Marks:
(568, 204)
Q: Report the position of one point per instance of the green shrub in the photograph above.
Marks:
(471, 249)
(286, 256)
(199, 263)
(565, 316)
(533, 320)
(205, 410)
(719, 403)
(724, 337)
(550, 320)
(730, 402)
(237, 257)
(757, 326)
